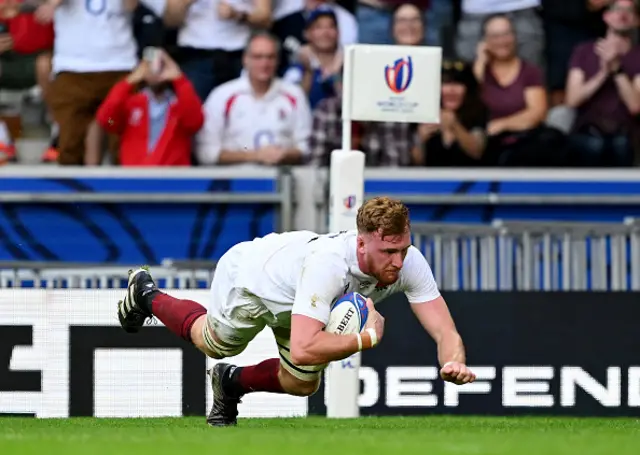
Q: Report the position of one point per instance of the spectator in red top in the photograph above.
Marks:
(25, 53)
(156, 124)
(25, 48)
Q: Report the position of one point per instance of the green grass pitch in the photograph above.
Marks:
(369, 435)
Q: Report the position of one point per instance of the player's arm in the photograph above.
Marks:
(435, 317)
(320, 281)
(431, 310)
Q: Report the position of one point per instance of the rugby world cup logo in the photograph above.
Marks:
(398, 76)
(350, 202)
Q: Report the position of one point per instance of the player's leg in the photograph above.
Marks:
(144, 300)
(185, 318)
(277, 375)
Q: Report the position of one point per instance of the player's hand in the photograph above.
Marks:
(375, 321)
(457, 373)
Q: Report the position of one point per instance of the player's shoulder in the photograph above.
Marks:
(334, 248)
(414, 263)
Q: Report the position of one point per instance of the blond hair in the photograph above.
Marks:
(384, 215)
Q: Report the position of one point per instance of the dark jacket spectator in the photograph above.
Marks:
(459, 139)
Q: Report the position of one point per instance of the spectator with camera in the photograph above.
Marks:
(525, 24)
(459, 139)
(257, 118)
(155, 111)
(604, 87)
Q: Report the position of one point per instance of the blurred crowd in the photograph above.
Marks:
(214, 82)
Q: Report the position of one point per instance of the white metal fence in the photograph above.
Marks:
(502, 256)
(533, 255)
(170, 275)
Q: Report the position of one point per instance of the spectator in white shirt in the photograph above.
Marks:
(256, 118)
(212, 35)
(94, 48)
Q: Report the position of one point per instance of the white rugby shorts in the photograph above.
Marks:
(236, 317)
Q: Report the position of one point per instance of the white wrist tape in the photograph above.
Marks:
(359, 342)
(374, 336)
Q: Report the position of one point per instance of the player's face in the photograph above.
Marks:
(384, 256)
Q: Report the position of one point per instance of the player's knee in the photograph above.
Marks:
(207, 341)
(303, 388)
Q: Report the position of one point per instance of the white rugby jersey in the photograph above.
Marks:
(93, 36)
(203, 28)
(236, 120)
(291, 273)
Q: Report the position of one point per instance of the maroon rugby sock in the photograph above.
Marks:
(262, 377)
(176, 314)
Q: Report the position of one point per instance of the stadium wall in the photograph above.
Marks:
(132, 216)
(62, 354)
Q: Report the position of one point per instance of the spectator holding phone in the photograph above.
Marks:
(155, 111)
(513, 90)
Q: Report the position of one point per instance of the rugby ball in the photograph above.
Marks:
(348, 314)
